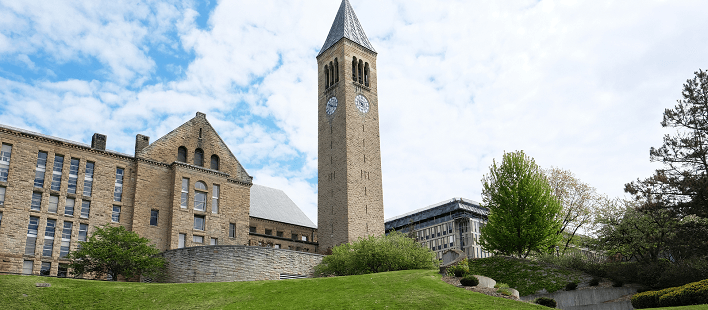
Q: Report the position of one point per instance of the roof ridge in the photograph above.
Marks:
(346, 25)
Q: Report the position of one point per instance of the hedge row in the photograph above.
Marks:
(695, 293)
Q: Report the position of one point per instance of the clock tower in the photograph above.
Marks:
(350, 194)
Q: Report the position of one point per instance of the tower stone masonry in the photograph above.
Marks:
(350, 193)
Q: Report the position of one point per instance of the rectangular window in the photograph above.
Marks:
(115, 217)
(27, 267)
(32, 229)
(304, 238)
(215, 199)
(44, 270)
(53, 204)
(199, 222)
(41, 168)
(197, 239)
(199, 201)
(62, 271)
(85, 209)
(0, 219)
(277, 246)
(49, 237)
(252, 229)
(36, 201)
(180, 243)
(213, 241)
(88, 178)
(5, 154)
(118, 192)
(2, 195)
(185, 193)
(69, 207)
(65, 239)
(279, 234)
(269, 232)
(56, 172)
(232, 230)
(83, 232)
(73, 176)
(153, 217)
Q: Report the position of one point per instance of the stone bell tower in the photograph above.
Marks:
(350, 194)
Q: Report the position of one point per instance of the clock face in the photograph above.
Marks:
(331, 106)
(361, 103)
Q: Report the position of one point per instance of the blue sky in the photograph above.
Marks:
(579, 85)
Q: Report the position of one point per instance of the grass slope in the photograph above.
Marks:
(411, 289)
(524, 275)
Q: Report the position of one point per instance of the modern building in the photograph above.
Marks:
(350, 192)
(185, 189)
(451, 224)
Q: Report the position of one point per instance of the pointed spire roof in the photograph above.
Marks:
(346, 25)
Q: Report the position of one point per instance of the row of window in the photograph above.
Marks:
(440, 244)
(45, 268)
(435, 231)
(360, 72)
(200, 196)
(198, 157)
(49, 235)
(269, 232)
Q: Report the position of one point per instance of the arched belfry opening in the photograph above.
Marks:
(359, 72)
(354, 65)
(366, 74)
(326, 73)
(336, 70)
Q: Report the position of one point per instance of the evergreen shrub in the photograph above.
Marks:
(469, 280)
(545, 301)
(594, 282)
(461, 269)
(571, 286)
(690, 294)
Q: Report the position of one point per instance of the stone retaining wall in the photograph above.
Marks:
(227, 263)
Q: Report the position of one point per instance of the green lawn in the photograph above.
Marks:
(412, 289)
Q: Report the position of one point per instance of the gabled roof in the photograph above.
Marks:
(346, 25)
(273, 204)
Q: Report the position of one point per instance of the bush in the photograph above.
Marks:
(545, 301)
(695, 293)
(375, 254)
(469, 280)
(461, 269)
(649, 299)
(571, 286)
(617, 283)
(501, 285)
(594, 282)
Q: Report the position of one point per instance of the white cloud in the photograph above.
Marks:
(579, 85)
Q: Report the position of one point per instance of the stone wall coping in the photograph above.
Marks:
(207, 247)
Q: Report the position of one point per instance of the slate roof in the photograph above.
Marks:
(346, 25)
(273, 204)
(40, 135)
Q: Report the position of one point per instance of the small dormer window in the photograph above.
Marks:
(182, 154)
(199, 158)
(214, 162)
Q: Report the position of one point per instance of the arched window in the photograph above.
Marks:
(354, 69)
(359, 71)
(182, 154)
(326, 72)
(200, 197)
(199, 157)
(200, 185)
(331, 74)
(214, 162)
(366, 74)
(336, 71)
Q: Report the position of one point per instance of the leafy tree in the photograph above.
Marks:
(115, 251)
(391, 252)
(523, 212)
(577, 199)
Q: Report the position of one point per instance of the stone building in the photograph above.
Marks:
(185, 189)
(451, 224)
(350, 193)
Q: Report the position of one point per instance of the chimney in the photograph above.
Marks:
(98, 141)
(201, 115)
(141, 142)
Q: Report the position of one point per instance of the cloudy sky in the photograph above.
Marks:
(580, 85)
